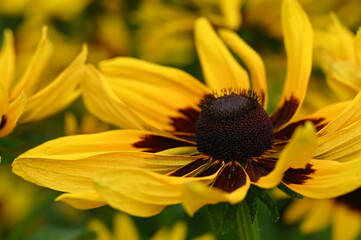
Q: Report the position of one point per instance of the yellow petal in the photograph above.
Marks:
(7, 59)
(100, 229)
(82, 200)
(177, 232)
(220, 69)
(297, 210)
(124, 228)
(252, 60)
(142, 193)
(330, 179)
(342, 145)
(345, 118)
(167, 77)
(298, 38)
(68, 164)
(358, 47)
(157, 105)
(296, 154)
(16, 109)
(318, 216)
(101, 101)
(35, 68)
(231, 11)
(197, 195)
(4, 100)
(346, 224)
(59, 93)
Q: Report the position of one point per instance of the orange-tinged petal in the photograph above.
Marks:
(329, 179)
(131, 190)
(220, 69)
(298, 38)
(297, 153)
(59, 93)
(7, 59)
(252, 60)
(35, 68)
(110, 108)
(167, 77)
(15, 110)
(82, 200)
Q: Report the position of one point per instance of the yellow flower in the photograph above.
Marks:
(184, 144)
(170, 24)
(343, 213)
(25, 98)
(125, 229)
(339, 54)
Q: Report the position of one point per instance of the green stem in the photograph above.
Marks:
(247, 230)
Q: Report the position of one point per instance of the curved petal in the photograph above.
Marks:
(252, 60)
(342, 145)
(15, 110)
(296, 154)
(157, 105)
(125, 228)
(101, 101)
(328, 179)
(196, 195)
(142, 193)
(7, 59)
(4, 100)
(220, 69)
(35, 68)
(298, 38)
(82, 200)
(167, 77)
(231, 11)
(59, 93)
(351, 114)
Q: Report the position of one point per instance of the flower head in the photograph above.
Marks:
(186, 145)
(27, 99)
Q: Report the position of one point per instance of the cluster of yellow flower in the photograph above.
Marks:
(176, 139)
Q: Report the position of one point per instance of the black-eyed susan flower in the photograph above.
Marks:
(26, 97)
(338, 51)
(343, 213)
(125, 228)
(194, 144)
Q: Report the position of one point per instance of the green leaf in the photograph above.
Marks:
(223, 216)
(271, 206)
(289, 192)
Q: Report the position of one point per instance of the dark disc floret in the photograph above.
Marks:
(233, 126)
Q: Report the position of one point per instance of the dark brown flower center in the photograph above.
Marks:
(233, 127)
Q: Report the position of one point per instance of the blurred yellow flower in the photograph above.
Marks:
(88, 124)
(264, 14)
(338, 51)
(342, 213)
(26, 97)
(165, 28)
(125, 229)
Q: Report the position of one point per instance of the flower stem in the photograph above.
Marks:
(247, 230)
